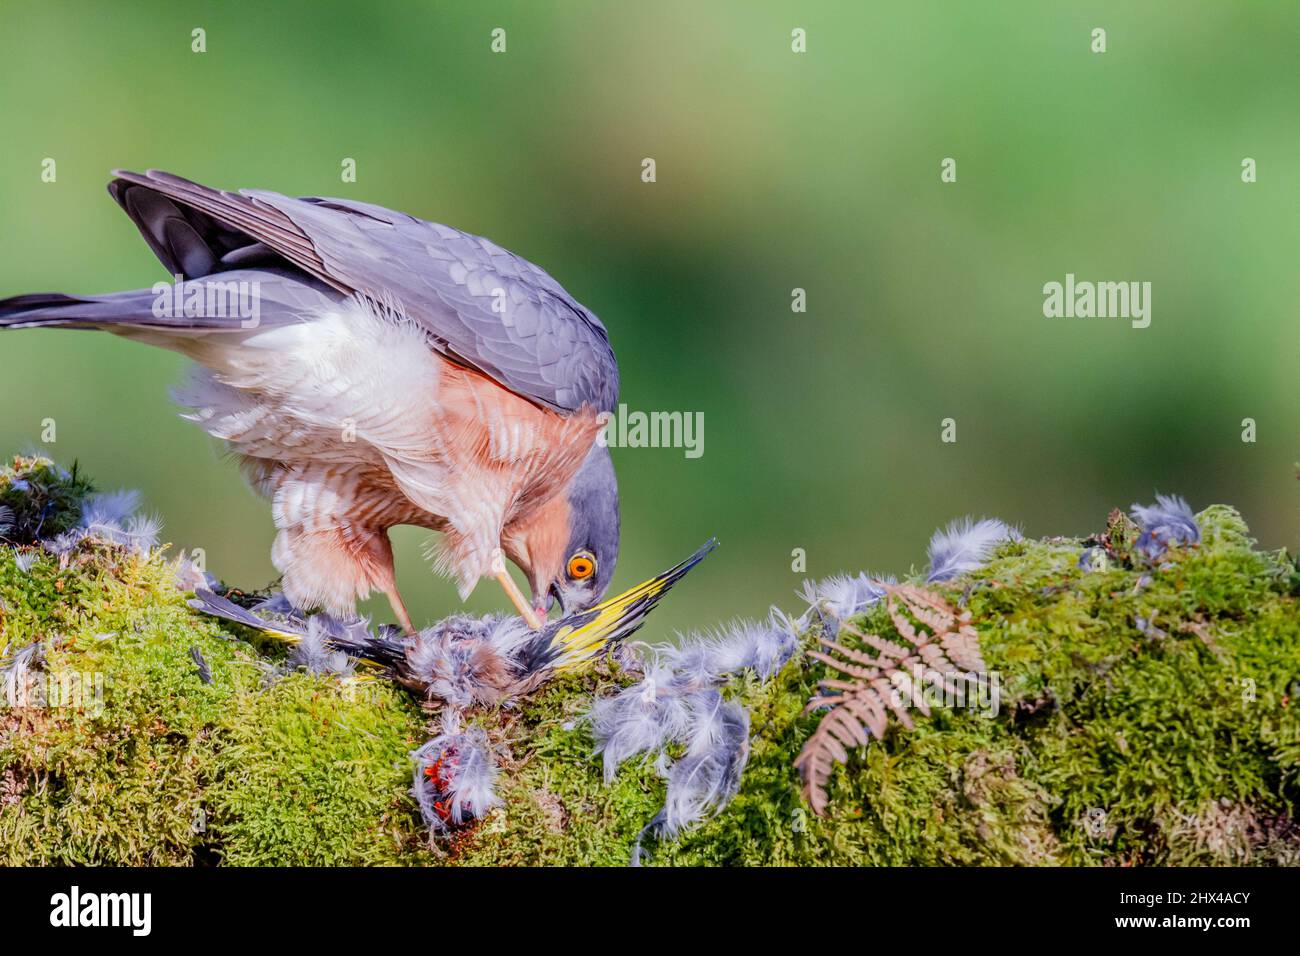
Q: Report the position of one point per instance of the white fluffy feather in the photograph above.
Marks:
(964, 546)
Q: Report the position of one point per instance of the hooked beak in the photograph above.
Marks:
(542, 603)
(556, 595)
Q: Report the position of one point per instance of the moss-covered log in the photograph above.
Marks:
(1147, 715)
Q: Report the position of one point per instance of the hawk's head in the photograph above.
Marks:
(569, 548)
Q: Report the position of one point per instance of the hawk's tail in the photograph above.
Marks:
(43, 308)
(162, 308)
(581, 637)
(118, 311)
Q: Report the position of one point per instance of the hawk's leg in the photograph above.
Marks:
(512, 591)
(333, 545)
(376, 556)
(331, 568)
(399, 609)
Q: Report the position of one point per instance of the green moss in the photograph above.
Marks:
(1107, 742)
(150, 765)
(1171, 742)
(1107, 739)
(314, 773)
(116, 773)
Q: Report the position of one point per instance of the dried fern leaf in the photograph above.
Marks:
(852, 670)
(834, 683)
(888, 694)
(935, 638)
(963, 646)
(889, 648)
(901, 623)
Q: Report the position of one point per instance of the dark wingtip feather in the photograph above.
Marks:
(210, 603)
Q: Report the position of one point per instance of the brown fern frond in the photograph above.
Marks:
(848, 653)
(889, 648)
(908, 688)
(832, 683)
(901, 623)
(936, 638)
(844, 667)
(956, 634)
(886, 648)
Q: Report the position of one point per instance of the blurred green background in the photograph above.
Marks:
(775, 171)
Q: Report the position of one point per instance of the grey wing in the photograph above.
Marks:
(481, 305)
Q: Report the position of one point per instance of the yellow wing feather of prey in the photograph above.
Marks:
(577, 641)
(290, 636)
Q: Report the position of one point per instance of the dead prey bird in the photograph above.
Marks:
(466, 661)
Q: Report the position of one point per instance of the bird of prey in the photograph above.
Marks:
(390, 371)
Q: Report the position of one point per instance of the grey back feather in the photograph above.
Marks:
(481, 305)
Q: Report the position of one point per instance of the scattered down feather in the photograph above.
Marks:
(708, 659)
(112, 517)
(189, 577)
(109, 518)
(1169, 521)
(1094, 559)
(643, 718)
(316, 655)
(109, 510)
(679, 702)
(964, 546)
(455, 776)
(842, 596)
(707, 777)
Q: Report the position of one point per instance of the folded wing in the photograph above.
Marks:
(480, 305)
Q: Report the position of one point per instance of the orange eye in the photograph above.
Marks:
(581, 566)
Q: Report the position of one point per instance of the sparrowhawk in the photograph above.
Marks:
(389, 371)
